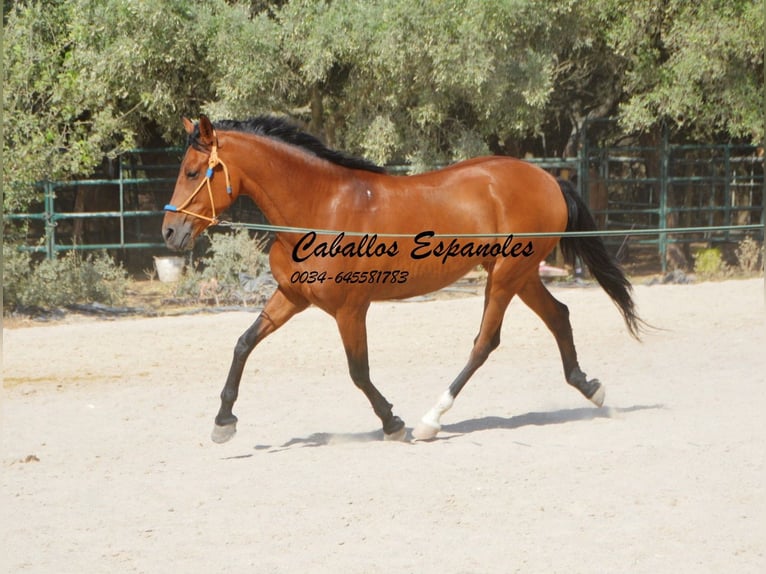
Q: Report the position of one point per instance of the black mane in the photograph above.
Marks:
(283, 130)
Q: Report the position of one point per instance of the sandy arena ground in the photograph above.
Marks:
(107, 464)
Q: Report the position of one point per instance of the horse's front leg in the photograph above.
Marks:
(353, 331)
(276, 313)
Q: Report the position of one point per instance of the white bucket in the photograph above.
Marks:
(169, 269)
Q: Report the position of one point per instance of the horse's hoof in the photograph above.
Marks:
(396, 435)
(224, 433)
(425, 431)
(597, 398)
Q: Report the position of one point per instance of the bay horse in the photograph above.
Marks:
(348, 234)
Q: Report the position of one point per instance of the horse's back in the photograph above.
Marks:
(519, 195)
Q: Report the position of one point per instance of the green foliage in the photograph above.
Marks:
(44, 134)
(232, 272)
(424, 82)
(84, 79)
(396, 80)
(697, 66)
(709, 264)
(60, 282)
(430, 82)
(232, 254)
(16, 270)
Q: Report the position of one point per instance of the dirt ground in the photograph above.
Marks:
(107, 465)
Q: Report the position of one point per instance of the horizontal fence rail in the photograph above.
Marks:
(51, 218)
(112, 205)
(530, 234)
(654, 196)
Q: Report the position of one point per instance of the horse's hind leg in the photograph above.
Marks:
(353, 331)
(555, 315)
(495, 304)
(276, 313)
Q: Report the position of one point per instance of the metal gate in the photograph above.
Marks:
(628, 187)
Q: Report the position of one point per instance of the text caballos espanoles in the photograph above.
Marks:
(426, 245)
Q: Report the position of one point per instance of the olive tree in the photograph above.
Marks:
(695, 66)
(84, 79)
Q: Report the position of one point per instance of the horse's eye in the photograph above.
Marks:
(192, 174)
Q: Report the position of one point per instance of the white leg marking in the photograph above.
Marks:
(429, 425)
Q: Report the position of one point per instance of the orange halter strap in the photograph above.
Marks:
(212, 162)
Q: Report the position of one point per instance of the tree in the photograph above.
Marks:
(89, 78)
(423, 82)
(396, 80)
(696, 67)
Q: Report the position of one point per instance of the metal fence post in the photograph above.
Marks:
(50, 220)
(582, 177)
(728, 176)
(663, 211)
(121, 185)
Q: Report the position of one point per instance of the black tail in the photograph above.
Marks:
(592, 251)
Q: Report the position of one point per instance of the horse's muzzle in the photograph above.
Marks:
(178, 236)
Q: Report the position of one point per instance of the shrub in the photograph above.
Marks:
(233, 271)
(59, 282)
(16, 270)
(709, 264)
(749, 255)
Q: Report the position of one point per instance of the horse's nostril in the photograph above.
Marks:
(169, 233)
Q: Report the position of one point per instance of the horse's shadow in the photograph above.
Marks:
(558, 417)
(451, 431)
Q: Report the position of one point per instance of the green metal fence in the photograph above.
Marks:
(123, 212)
(670, 186)
(629, 188)
(51, 219)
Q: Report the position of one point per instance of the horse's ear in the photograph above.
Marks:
(206, 131)
(188, 125)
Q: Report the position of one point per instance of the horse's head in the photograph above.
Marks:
(198, 197)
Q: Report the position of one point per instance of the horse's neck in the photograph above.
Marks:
(287, 184)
